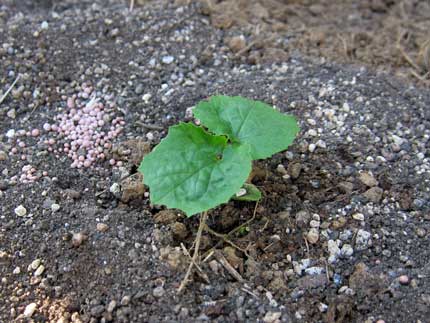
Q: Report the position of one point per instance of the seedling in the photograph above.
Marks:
(196, 168)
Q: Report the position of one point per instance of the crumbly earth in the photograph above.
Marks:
(386, 35)
(341, 235)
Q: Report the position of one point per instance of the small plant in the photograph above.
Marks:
(194, 169)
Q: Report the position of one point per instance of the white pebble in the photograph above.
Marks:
(55, 207)
(29, 310)
(20, 210)
(358, 216)
(312, 148)
(167, 59)
(312, 132)
(10, 133)
(35, 264)
(39, 271)
(44, 25)
(146, 97)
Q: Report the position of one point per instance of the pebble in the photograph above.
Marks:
(111, 306)
(55, 207)
(333, 250)
(363, 240)
(17, 271)
(29, 310)
(78, 239)
(374, 194)
(272, 317)
(10, 133)
(368, 179)
(35, 264)
(313, 235)
(404, 280)
(158, 292)
(39, 271)
(44, 25)
(20, 210)
(294, 170)
(322, 307)
(146, 97)
(125, 300)
(358, 216)
(347, 250)
(314, 271)
(302, 218)
(420, 232)
(102, 227)
(3, 155)
(115, 189)
(139, 89)
(237, 43)
(312, 148)
(167, 59)
(314, 224)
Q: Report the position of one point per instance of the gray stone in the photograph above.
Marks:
(363, 240)
(374, 194)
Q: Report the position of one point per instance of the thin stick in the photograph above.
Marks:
(236, 229)
(307, 245)
(196, 251)
(201, 272)
(224, 238)
(220, 257)
(131, 5)
(8, 90)
(149, 126)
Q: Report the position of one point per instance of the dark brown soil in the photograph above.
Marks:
(386, 35)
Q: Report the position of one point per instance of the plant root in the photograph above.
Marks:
(196, 251)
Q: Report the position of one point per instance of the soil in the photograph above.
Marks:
(389, 36)
(342, 233)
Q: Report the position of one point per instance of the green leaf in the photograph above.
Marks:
(251, 193)
(266, 130)
(193, 170)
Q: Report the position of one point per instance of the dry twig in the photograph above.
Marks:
(220, 257)
(196, 251)
(8, 90)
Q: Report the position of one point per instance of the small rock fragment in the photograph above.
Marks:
(179, 230)
(39, 271)
(111, 306)
(3, 155)
(302, 218)
(165, 217)
(363, 240)
(158, 292)
(55, 207)
(374, 194)
(313, 235)
(358, 216)
(35, 264)
(78, 239)
(236, 43)
(294, 170)
(404, 280)
(20, 210)
(102, 227)
(29, 310)
(368, 179)
(272, 317)
(168, 59)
